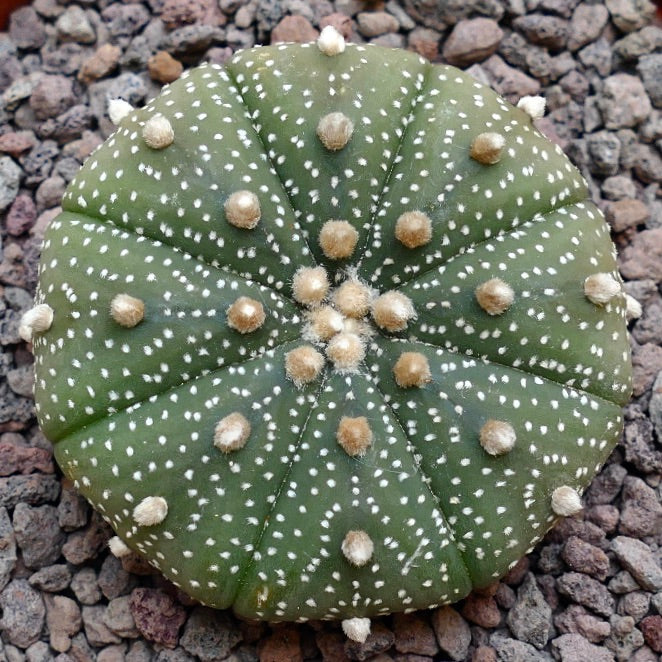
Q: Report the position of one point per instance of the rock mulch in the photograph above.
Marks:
(592, 589)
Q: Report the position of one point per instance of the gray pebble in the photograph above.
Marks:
(655, 406)
(34, 489)
(85, 587)
(23, 613)
(623, 582)
(574, 648)
(639, 43)
(118, 618)
(604, 151)
(10, 178)
(641, 512)
(650, 70)
(26, 28)
(7, 548)
(629, 15)
(113, 580)
(512, 650)
(624, 639)
(597, 55)
(72, 509)
(635, 604)
(21, 380)
(623, 101)
(64, 621)
(586, 591)
(97, 632)
(618, 187)
(39, 652)
(636, 557)
(548, 31)
(530, 619)
(74, 25)
(38, 535)
(210, 635)
(52, 578)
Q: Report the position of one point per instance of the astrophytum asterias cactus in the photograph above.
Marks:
(329, 332)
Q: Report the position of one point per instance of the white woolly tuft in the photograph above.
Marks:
(35, 320)
(330, 41)
(357, 547)
(533, 106)
(118, 547)
(601, 288)
(232, 432)
(497, 437)
(118, 109)
(158, 132)
(566, 501)
(356, 629)
(150, 511)
(633, 309)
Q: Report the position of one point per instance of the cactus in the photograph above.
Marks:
(329, 333)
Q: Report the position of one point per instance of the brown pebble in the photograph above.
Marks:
(481, 610)
(163, 68)
(284, 643)
(100, 64)
(624, 214)
(294, 29)
(158, 617)
(15, 143)
(340, 22)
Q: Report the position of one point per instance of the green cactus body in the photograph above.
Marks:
(329, 369)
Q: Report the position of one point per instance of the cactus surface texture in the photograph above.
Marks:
(322, 332)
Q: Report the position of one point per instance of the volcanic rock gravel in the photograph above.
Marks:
(592, 589)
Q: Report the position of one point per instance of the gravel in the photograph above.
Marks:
(592, 589)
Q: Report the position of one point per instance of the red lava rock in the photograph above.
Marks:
(511, 83)
(624, 214)
(484, 654)
(22, 215)
(283, 645)
(414, 635)
(576, 620)
(641, 513)
(340, 22)
(646, 364)
(294, 29)
(605, 516)
(651, 626)
(21, 459)
(586, 24)
(17, 142)
(178, 13)
(643, 257)
(586, 558)
(425, 42)
(517, 573)
(481, 610)
(164, 68)
(332, 646)
(453, 633)
(100, 64)
(86, 544)
(375, 23)
(158, 617)
(26, 29)
(623, 101)
(549, 31)
(52, 96)
(472, 41)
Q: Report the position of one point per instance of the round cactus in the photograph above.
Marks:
(329, 333)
